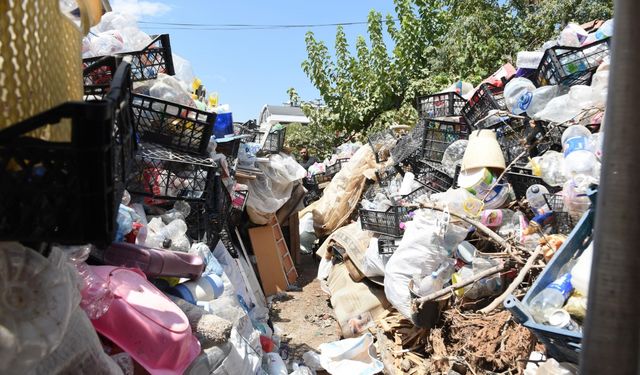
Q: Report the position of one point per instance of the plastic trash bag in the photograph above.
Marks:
(115, 21)
(350, 356)
(183, 69)
(168, 88)
(39, 297)
(269, 192)
(80, 352)
(373, 263)
(105, 43)
(420, 252)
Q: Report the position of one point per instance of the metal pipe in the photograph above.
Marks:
(611, 342)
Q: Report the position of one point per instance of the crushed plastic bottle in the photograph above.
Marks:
(452, 157)
(550, 167)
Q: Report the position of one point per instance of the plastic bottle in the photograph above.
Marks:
(452, 156)
(496, 218)
(551, 298)
(518, 94)
(578, 158)
(550, 167)
(535, 196)
(574, 192)
(581, 271)
(429, 284)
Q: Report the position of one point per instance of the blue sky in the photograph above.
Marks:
(250, 68)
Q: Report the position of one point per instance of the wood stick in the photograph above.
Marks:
(481, 227)
(515, 283)
(451, 288)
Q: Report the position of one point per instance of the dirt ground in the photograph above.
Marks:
(305, 317)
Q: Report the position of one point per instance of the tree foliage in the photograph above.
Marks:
(435, 43)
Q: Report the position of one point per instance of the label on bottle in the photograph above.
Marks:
(492, 218)
(523, 103)
(575, 144)
(562, 284)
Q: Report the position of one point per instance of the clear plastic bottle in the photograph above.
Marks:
(429, 284)
(550, 167)
(578, 157)
(535, 196)
(551, 298)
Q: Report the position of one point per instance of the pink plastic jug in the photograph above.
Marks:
(145, 323)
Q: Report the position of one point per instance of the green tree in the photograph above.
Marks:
(435, 43)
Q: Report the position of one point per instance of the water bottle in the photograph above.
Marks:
(550, 167)
(535, 196)
(578, 158)
(551, 298)
(429, 284)
(581, 271)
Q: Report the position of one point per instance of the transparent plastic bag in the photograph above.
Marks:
(271, 191)
(39, 297)
(183, 69)
(168, 88)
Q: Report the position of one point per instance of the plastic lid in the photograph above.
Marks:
(535, 189)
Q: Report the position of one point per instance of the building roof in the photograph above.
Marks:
(282, 114)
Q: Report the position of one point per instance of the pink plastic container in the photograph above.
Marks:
(145, 323)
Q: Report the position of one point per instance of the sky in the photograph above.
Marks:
(251, 68)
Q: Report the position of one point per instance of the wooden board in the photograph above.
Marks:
(270, 269)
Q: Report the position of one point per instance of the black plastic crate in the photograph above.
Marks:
(97, 76)
(487, 97)
(147, 63)
(172, 125)
(444, 104)
(384, 222)
(274, 141)
(569, 66)
(387, 245)
(386, 175)
(511, 136)
(381, 143)
(409, 144)
(563, 223)
(161, 173)
(438, 135)
(67, 192)
(521, 178)
(336, 167)
(431, 176)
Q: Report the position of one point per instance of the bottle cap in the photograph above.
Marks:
(559, 318)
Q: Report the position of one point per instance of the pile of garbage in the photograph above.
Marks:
(486, 203)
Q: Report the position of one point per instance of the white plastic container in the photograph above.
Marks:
(205, 288)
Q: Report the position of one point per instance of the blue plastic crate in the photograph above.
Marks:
(561, 344)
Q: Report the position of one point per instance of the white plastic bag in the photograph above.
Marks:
(419, 252)
(168, 88)
(183, 69)
(373, 262)
(350, 356)
(271, 191)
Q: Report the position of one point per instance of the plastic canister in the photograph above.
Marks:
(205, 288)
(223, 125)
(477, 181)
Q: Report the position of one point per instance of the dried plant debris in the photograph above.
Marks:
(479, 344)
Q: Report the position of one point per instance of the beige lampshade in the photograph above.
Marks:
(483, 151)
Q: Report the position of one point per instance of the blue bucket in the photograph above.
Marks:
(223, 125)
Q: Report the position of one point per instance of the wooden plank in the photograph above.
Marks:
(269, 263)
(294, 238)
